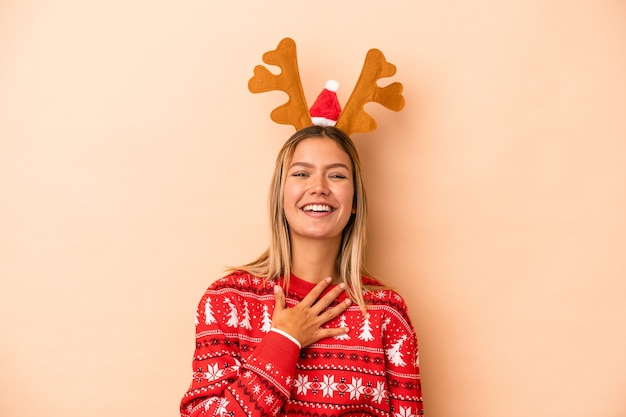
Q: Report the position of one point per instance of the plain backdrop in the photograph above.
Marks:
(135, 165)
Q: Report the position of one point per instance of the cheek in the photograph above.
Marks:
(290, 194)
(348, 197)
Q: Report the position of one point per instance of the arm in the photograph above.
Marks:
(228, 381)
(402, 363)
(223, 382)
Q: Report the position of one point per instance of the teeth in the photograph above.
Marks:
(316, 207)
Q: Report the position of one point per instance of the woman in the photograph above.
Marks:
(303, 330)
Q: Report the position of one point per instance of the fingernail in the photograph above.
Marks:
(276, 289)
(347, 329)
(342, 286)
(328, 279)
(348, 301)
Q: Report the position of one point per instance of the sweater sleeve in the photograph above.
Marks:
(235, 376)
(402, 355)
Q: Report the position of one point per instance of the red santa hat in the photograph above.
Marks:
(326, 109)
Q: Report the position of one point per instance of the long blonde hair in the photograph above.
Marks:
(276, 260)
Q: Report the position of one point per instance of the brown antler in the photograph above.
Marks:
(353, 118)
(295, 111)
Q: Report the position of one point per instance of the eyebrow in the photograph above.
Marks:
(329, 166)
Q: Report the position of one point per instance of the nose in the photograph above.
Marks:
(319, 185)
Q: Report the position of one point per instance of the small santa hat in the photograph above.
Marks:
(326, 109)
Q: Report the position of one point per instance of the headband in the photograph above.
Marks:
(326, 109)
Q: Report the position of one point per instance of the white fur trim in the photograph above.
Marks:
(332, 85)
(323, 121)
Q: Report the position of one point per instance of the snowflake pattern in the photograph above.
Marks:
(329, 386)
(243, 311)
(302, 384)
(379, 392)
(221, 407)
(405, 412)
(356, 388)
(213, 372)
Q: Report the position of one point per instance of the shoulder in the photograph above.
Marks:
(241, 281)
(390, 309)
(235, 290)
(379, 293)
(381, 297)
(385, 297)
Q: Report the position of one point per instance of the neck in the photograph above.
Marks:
(313, 260)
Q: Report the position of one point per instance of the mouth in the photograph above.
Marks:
(318, 208)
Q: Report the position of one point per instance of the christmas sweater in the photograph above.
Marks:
(242, 368)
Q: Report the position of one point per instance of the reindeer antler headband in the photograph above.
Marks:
(353, 119)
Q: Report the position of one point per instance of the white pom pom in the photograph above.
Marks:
(332, 85)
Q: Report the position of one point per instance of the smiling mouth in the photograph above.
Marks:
(318, 208)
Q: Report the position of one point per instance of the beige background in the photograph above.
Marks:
(134, 166)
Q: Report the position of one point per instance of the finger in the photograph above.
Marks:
(328, 298)
(314, 294)
(279, 298)
(331, 313)
(332, 332)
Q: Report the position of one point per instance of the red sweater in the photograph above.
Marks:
(241, 368)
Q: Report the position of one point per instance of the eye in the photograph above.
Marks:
(300, 174)
(339, 175)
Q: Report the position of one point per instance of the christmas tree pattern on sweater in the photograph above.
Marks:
(242, 368)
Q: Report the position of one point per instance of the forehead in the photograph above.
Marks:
(320, 150)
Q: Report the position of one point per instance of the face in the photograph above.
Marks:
(318, 191)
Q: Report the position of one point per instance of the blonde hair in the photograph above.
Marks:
(276, 260)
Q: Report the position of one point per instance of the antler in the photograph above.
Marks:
(354, 119)
(295, 111)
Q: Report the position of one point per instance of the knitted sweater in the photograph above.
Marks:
(242, 368)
